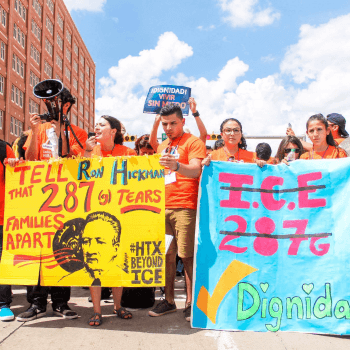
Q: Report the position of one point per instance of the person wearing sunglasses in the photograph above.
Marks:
(143, 146)
(289, 144)
(235, 148)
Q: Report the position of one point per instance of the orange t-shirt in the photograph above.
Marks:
(184, 192)
(9, 154)
(339, 141)
(118, 150)
(331, 153)
(48, 140)
(241, 155)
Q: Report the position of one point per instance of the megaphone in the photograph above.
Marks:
(49, 90)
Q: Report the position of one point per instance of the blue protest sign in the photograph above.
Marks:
(272, 247)
(160, 95)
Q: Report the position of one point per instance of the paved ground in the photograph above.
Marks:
(170, 332)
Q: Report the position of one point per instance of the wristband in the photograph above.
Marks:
(195, 114)
(178, 166)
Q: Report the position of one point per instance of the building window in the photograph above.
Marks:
(92, 78)
(2, 84)
(92, 92)
(48, 47)
(3, 51)
(87, 99)
(36, 30)
(16, 127)
(50, 5)
(33, 107)
(35, 54)
(74, 119)
(87, 84)
(81, 125)
(37, 7)
(82, 76)
(48, 69)
(75, 66)
(17, 96)
(1, 118)
(18, 65)
(3, 16)
(69, 37)
(68, 73)
(68, 55)
(59, 41)
(22, 11)
(76, 49)
(34, 80)
(59, 61)
(49, 25)
(75, 84)
(60, 21)
(82, 60)
(87, 115)
(81, 92)
(18, 35)
(87, 70)
(81, 108)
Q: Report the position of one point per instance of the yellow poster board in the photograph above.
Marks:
(83, 222)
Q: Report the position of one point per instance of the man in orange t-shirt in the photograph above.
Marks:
(182, 154)
(5, 290)
(42, 144)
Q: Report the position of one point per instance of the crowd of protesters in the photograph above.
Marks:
(183, 155)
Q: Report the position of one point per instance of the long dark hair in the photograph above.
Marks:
(243, 143)
(115, 124)
(288, 139)
(329, 139)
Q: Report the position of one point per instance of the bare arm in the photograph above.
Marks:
(192, 170)
(33, 147)
(153, 135)
(201, 127)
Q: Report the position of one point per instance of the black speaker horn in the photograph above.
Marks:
(48, 89)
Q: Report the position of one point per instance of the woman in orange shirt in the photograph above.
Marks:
(323, 145)
(110, 143)
(235, 146)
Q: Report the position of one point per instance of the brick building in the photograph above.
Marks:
(38, 41)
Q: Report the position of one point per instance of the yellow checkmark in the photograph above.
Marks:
(234, 273)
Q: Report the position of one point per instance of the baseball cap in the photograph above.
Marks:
(339, 120)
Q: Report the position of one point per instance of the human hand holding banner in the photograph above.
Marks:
(83, 222)
(160, 95)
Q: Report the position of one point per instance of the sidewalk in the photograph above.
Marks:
(169, 332)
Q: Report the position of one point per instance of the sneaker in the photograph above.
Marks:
(65, 312)
(187, 313)
(6, 314)
(31, 313)
(162, 308)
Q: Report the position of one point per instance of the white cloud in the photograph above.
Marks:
(85, 5)
(211, 27)
(268, 58)
(247, 13)
(317, 64)
(123, 92)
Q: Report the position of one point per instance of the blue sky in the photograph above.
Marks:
(264, 63)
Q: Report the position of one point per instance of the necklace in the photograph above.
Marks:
(231, 158)
(322, 154)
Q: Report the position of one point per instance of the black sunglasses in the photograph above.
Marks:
(288, 150)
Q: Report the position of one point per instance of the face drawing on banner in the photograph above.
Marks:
(100, 240)
(90, 246)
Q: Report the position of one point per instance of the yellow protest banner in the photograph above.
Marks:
(83, 222)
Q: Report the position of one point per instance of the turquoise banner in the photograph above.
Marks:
(272, 249)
